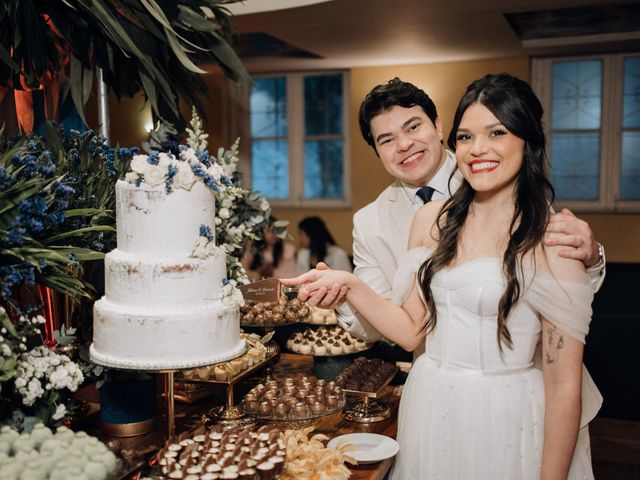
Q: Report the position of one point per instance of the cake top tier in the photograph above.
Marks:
(151, 221)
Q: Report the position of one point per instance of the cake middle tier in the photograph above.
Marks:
(141, 280)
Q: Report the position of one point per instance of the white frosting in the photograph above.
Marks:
(163, 308)
(169, 280)
(164, 338)
(151, 222)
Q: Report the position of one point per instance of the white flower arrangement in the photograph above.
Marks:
(40, 371)
(241, 214)
(41, 378)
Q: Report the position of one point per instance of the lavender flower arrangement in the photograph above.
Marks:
(39, 242)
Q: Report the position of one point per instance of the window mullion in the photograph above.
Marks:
(607, 147)
(617, 102)
(295, 114)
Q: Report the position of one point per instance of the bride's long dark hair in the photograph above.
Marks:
(513, 102)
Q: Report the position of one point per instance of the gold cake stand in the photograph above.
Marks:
(369, 409)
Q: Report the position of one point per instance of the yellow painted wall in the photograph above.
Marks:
(444, 82)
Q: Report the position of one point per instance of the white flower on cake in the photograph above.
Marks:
(184, 178)
(131, 177)
(200, 250)
(166, 159)
(154, 175)
(182, 171)
(139, 164)
(231, 294)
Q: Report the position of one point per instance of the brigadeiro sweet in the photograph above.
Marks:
(251, 406)
(266, 470)
(300, 410)
(265, 409)
(281, 410)
(247, 474)
(278, 463)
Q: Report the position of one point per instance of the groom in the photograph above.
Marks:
(400, 122)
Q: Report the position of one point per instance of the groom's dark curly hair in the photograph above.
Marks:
(387, 95)
(515, 105)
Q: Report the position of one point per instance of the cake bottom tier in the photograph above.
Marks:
(167, 339)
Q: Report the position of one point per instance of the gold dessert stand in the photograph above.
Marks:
(231, 413)
(169, 390)
(369, 409)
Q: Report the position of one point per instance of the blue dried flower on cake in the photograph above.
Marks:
(205, 231)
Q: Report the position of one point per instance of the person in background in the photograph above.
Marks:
(317, 245)
(270, 257)
(484, 291)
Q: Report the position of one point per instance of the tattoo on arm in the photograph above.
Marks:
(555, 342)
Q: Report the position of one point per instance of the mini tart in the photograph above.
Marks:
(220, 373)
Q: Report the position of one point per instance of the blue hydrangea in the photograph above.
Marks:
(14, 235)
(62, 189)
(11, 277)
(5, 179)
(171, 172)
(203, 156)
(29, 274)
(153, 158)
(205, 231)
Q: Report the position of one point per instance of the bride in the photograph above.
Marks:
(486, 292)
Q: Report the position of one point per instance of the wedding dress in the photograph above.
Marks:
(469, 411)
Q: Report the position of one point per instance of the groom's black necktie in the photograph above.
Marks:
(425, 193)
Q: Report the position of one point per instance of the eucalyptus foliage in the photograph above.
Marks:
(149, 45)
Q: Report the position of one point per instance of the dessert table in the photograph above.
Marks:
(335, 425)
(136, 450)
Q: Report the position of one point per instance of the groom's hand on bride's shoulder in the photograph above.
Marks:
(574, 235)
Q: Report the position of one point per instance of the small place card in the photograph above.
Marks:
(268, 290)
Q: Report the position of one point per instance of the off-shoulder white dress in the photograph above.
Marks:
(469, 411)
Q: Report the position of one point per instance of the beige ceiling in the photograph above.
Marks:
(357, 33)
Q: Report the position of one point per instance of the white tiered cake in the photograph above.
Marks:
(164, 308)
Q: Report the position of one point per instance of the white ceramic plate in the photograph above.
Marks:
(371, 447)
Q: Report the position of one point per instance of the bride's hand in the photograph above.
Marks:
(321, 286)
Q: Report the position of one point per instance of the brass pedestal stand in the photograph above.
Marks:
(231, 413)
(367, 411)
